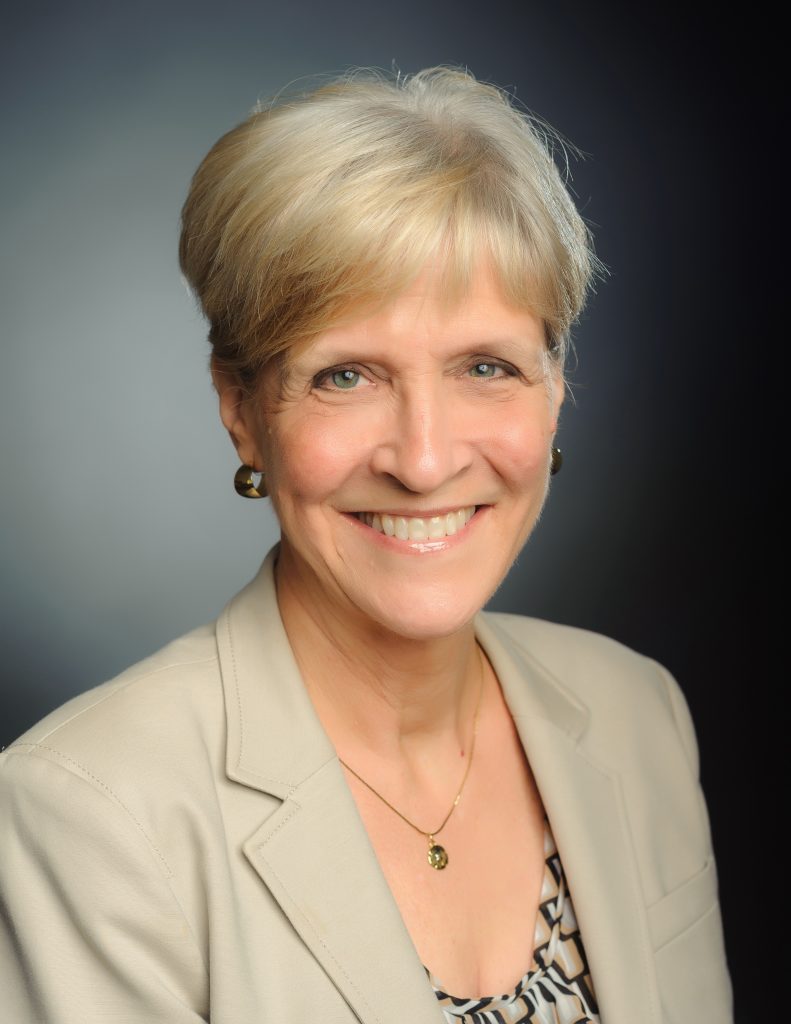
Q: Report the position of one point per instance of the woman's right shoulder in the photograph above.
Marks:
(152, 711)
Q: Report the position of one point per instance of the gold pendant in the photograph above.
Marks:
(437, 855)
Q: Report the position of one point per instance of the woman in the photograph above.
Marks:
(357, 796)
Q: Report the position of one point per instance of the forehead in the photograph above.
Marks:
(423, 316)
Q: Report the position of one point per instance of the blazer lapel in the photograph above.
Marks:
(584, 804)
(315, 857)
(312, 852)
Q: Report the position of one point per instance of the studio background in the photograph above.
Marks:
(120, 526)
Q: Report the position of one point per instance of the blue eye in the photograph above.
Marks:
(345, 379)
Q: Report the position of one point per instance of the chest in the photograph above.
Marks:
(472, 923)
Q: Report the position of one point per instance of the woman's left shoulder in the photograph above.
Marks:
(600, 671)
(574, 653)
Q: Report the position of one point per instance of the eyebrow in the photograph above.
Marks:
(349, 352)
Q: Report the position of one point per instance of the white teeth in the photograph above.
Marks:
(436, 527)
(417, 528)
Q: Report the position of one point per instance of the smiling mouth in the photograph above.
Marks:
(418, 528)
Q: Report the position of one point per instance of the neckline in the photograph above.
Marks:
(543, 946)
(493, 1002)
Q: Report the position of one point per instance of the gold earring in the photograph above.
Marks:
(556, 461)
(243, 482)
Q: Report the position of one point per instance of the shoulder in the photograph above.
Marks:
(566, 646)
(632, 723)
(581, 658)
(618, 684)
(156, 720)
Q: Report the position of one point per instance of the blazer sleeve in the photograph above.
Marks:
(682, 717)
(90, 930)
(693, 960)
(686, 730)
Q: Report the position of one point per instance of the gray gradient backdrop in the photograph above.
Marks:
(120, 525)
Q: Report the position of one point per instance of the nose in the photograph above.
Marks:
(426, 444)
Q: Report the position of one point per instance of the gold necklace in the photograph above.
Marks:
(437, 855)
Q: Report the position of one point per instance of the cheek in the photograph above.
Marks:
(311, 459)
(520, 447)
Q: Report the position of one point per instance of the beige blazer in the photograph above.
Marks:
(181, 843)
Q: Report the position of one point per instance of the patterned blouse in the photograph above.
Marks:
(557, 988)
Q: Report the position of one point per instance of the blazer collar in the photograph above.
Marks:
(275, 738)
(314, 854)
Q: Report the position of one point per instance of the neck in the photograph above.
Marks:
(381, 697)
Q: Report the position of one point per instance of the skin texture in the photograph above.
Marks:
(409, 418)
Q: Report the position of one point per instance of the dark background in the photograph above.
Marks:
(120, 527)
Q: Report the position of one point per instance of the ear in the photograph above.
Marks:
(238, 413)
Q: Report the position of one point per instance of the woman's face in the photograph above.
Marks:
(412, 413)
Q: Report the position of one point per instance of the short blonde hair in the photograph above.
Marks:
(325, 202)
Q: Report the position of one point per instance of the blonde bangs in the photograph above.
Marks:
(316, 211)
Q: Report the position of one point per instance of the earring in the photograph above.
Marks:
(243, 482)
(556, 461)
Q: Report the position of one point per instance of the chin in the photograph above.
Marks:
(430, 617)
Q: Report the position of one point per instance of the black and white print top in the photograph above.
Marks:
(557, 988)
